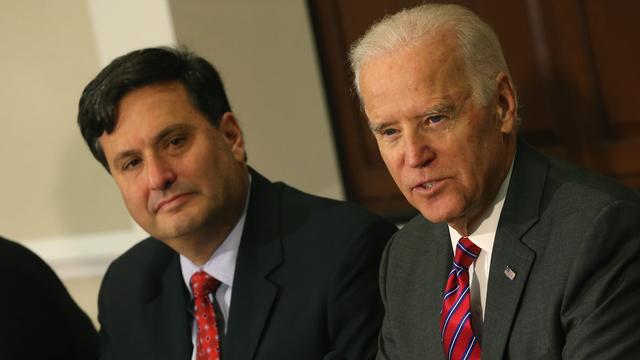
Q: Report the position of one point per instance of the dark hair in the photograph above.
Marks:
(98, 108)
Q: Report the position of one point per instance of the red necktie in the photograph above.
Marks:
(207, 345)
(458, 339)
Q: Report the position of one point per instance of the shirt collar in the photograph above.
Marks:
(222, 263)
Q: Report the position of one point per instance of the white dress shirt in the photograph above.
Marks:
(222, 266)
(483, 236)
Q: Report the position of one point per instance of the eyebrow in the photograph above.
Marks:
(163, 134)
(443, 107)
(376, 128)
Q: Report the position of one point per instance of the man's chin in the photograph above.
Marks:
(434, 218)
(174, 225)
(172, 232)
(437, 213)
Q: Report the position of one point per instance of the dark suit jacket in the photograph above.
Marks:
(573, 240)
(305, 286)
(38, 318)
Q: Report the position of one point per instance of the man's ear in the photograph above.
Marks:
(506, 108)
(232, 134)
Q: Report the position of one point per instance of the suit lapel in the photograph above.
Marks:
(259, 254)
(167, 314)
(520, 212)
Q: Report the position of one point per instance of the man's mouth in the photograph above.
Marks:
(427, 185)
(170, 202)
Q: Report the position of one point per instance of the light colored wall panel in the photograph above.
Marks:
(265, 53)
(50, 184)
(120, 26)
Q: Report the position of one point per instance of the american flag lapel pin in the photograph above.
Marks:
(509, 273)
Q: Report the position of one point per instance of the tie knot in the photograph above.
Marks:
(202, 284)
(466, 252)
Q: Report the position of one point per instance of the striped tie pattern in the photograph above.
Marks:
(458, 339)
(207, 343)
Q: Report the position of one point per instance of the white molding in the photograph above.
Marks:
(85, 255)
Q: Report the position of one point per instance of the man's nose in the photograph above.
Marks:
(418, 153)
(160, 174)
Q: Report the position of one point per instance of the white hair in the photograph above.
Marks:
(477, 42)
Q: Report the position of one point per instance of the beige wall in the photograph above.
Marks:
(265, 53)
(47, 176)
(56, 199)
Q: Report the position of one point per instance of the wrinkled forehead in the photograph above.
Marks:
(430, 67)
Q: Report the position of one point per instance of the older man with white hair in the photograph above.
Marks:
(513, 255)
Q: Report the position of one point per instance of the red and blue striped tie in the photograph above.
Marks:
(458, 339)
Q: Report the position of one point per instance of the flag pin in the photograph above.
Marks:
(509, 273)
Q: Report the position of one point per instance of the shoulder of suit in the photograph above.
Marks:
(416, 233)
(300, 201)
(13, 252)
(583, 189)
(18, 262)
(140, 259)
(17, 256)
(417, 224)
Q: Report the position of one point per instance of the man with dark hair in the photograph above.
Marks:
(237, 267)
(99, 103)
(513, 255)
(38, 317)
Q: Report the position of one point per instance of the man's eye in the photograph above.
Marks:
(388, 132)
(131, 164)
(176, 141)
(435, 119)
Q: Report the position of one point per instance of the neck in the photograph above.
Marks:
(199, 245)
(469, 222)
(198, 252)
